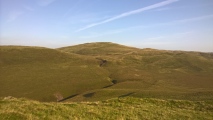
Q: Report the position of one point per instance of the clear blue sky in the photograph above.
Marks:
(161, 24)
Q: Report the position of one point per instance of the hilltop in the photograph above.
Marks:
(99, 48)
(100, 71)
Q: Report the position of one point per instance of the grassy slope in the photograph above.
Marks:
(149, 72)
(122, 108)
(39, 73)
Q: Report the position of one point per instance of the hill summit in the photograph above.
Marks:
(98, 48)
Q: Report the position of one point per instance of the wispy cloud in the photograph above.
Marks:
(14, 15)
(191, 19)
(164, 3)
(45, 2)
(93, 18)
(175, 22)
(163, 9)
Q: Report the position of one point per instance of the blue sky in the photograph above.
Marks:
(160, 24)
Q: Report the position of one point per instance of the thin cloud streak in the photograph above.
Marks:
(129, 13)
(171, 23)
(175, 22)
(193, 19)
(163, 9)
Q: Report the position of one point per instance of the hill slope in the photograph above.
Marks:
(122, 108)
(99, 71)
(149, 72)
(42, 74)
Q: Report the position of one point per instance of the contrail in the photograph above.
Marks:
(129, 13)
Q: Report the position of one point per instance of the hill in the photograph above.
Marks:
(42, 74)
(119, 108)
(100, 71)
(150, 72)
(98, 48)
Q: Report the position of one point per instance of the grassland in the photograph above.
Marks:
(39, 73)
(101, 71)
(113, 109)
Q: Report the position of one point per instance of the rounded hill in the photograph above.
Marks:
(98, 48)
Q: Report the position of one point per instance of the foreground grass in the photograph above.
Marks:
(121, 108)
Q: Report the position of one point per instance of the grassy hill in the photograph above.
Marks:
(150, 72)
(100, 71)
(113, 109)
(41, 73)
(98, 49)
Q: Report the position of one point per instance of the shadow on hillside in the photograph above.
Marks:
(126, 95)
(113, 83)
(89, 94)
(102, 61)
(68, 97)
(108, 86)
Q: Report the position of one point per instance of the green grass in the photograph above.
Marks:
(118, 108)
(40, 73)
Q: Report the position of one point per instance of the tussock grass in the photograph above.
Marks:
(118, 108)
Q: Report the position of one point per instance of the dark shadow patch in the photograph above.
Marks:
(89, 94)
(108, 86)
(68, 97)
(114, 81)
(126, 95)
(102, 62)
